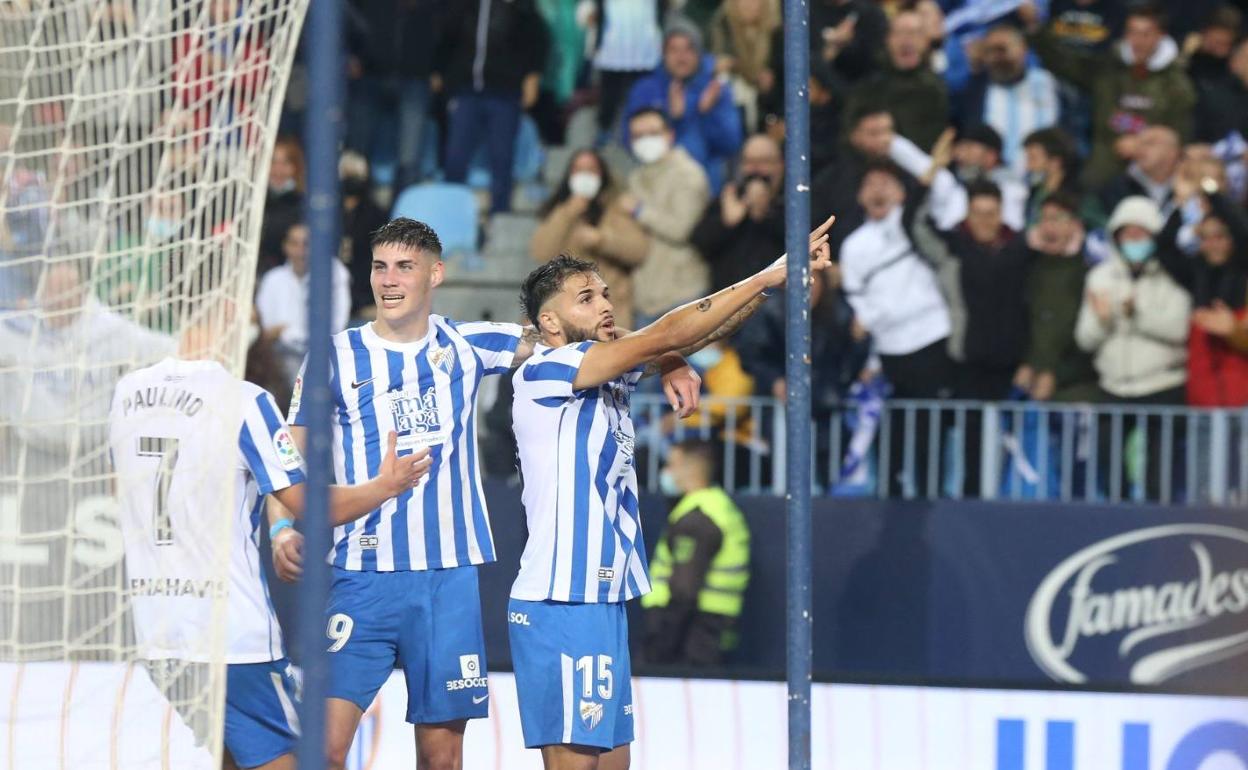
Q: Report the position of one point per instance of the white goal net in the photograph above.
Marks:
(135, 138)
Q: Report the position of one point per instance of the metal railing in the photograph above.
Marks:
(1010, 450)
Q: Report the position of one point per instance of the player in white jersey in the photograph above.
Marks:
(404, 586)
(196, 450)
(585, 555)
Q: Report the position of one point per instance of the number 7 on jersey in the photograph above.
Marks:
(167, 450)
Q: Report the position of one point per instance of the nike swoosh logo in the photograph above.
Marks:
(478, 701)
(358, 385)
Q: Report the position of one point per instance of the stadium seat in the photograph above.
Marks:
(450, 209)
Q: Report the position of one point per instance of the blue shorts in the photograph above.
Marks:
(260, 720)
(426, 622)
(573, 674)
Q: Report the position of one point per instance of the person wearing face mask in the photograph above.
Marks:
(701, 566)
(747, 220)
(698, 103)
(1134, 321)
(666, 196)
(581, 219)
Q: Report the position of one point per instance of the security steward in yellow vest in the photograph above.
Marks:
(701, 566)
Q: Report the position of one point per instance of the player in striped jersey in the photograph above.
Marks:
(404, 589)
(177, 431)
(585, 556)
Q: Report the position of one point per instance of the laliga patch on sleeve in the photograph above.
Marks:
(287, 453)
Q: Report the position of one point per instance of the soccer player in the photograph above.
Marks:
(585, 556)
(404, 586)
(178, 432)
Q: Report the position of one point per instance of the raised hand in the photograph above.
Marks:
(820, 255)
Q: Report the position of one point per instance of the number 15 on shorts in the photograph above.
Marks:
(585, 668)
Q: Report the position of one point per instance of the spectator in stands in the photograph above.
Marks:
(1217, 279)
(1050, 156)
(827, 102)
(283, 205)
(1140, 83)
(974, 156)
(1154, 162)
(916, 96)
(1209, 51)
(698, 104)
(666, 196)
(361, 216)
(701, 566)
(390, 48)
(835, 189)
(897, 299)
(1134, 321)
(838, 348)
(992, 271)
(1054, 367)
(1087, 27)
(983, 268)
(1223, 103)
(741, 32)
(629, 46)
(1011, 96)
(845, 34)
(565, 64)
(282, 300)
(581, 219)
(744, 227)
(489, 61)
(894, 292)
(845, 38)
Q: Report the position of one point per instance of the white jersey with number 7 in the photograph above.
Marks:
(196, 450)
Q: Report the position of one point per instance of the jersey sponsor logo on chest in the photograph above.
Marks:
(417, 418)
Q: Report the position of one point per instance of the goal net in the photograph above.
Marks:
(135, 138)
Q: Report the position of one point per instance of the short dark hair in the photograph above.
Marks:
(545, 281)
(982, 133)
(1056, 143)
(649, 110)
(703, 451)
(884, 166)
(1226, 17)
(867, 108)
(983, 187)
(408, 233)
(1150, 11)
(1064, 199)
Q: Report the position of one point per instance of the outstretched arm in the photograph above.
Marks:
(689, 325)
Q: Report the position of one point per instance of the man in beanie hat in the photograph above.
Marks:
(699, 104)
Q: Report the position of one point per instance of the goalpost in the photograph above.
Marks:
(135, 138)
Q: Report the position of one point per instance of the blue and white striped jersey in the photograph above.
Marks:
(179, 432)
(580, 484)
(426, 391)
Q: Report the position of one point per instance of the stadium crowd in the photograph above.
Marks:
(1037, 203)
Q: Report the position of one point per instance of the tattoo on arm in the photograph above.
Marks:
(729, 327)
(529, 337)
(705, 305)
